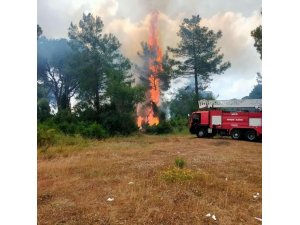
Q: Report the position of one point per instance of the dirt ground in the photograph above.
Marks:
(123, 181)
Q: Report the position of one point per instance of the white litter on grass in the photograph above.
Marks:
(256, 195)
(226, 179)
(131, 182)
(214, 217)
(259, 219)
(110, 199)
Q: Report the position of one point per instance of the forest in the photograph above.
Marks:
(86, 87)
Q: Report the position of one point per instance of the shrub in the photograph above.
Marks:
(119, 123)
(150, 129)
(65, 116)
(45, 137)
(93, 130)
(175, 174)
(67, 128)
(180, 163)
(164, 127)
(43, 109)
(179, 124)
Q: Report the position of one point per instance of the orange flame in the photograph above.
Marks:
(155, 67)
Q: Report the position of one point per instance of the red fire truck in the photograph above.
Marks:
(235, 118)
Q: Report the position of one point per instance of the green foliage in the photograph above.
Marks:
(118, 123)
(43, 109)
(197, 53)
(121, 94)
(45, 136)
(180, 163)
(93, 130)
(53, 60)
(64, 116)
(257, 35)
(97, 55)
(184, 103)
(164, 127)
(256, 92)
(175, 174)
(67, 123)
(119, 116)
(179, 124)
(67, 127)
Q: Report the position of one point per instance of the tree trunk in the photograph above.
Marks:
(97, 99)
(195, 72)
(196, 86)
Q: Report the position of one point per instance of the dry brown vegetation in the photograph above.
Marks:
(75, 181)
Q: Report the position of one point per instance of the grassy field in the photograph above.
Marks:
(222, 177)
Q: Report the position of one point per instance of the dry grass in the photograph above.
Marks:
(75, 182)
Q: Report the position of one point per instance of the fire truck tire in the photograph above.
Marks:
(201, 133)
(236, 134)
(251, 135)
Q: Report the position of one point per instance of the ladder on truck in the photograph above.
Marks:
(234, 103)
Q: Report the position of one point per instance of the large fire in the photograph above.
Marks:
(147, 114)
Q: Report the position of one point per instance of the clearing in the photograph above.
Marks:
(224, 178)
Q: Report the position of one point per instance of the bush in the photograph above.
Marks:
(67, 128)
(180, 163)
(119, 123)
(179, 124)
(43, 109)
(175, 174)
(164, 127)
(93, 130)
(65, 116)
(150, 129)
(45, 137)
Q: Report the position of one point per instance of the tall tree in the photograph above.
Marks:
(43, 108)
(164, 74)
(257, 35)
(119, 115)
(97, 53)
(54, 71)
(197, 53)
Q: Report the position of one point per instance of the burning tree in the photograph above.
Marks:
(150, 75)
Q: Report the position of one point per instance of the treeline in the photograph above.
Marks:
(86, 85)
(88, 82)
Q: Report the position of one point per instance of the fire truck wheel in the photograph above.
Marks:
(236, 134)
(201, 133)
(251, 135)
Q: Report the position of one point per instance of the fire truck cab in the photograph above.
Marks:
(243, 118)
